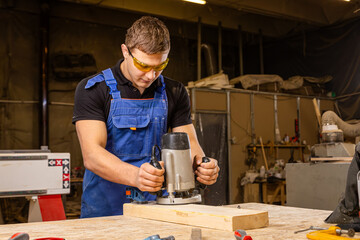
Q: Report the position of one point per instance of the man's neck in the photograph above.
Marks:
(125, 73)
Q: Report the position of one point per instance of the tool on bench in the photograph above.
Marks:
(310, 228)
(332, 232)
(179, 177)
(350, 232)
(25, 236)
(20, 236)
(157, 237)
(241, 235)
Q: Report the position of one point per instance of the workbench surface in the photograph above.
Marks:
(283, 221)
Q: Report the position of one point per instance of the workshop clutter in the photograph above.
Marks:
(301, 85)
(277, 171)
(216, 81)
(266, 183)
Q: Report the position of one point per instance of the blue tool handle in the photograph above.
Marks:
(157, 237)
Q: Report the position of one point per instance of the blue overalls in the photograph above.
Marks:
(133, 127)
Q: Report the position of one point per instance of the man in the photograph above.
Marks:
(122, 112)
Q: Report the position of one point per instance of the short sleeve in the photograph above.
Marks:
(90, 103)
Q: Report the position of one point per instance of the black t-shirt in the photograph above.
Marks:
(94, 103)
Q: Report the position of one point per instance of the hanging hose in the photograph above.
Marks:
(350, 130)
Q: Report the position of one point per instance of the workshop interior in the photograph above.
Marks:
(274, 88)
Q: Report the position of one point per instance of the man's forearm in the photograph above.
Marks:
(108, 166)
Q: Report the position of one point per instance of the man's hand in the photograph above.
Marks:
(149, 178)
(207, 173)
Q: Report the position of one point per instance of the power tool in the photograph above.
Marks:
(179, 176)
(157, 237)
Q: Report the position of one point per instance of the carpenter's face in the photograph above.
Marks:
(144, 68)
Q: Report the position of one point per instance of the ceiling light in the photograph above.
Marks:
(347, 0)
(196, 1)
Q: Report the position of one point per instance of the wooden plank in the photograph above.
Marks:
(222, 218)
(342, 159)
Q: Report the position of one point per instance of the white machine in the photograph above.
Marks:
(40, 176)
(333, 144)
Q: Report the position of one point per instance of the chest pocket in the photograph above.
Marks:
(131, 135)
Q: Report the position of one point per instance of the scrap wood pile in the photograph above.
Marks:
(216, 81)
(301, 85)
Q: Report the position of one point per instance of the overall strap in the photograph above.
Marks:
(160, 91)
(111, 83)
(161, 88)
(92, 81)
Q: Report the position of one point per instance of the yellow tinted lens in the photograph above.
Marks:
(141, 66)
(145, 68)
(161, 66)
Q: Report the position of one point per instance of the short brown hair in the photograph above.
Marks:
(149, 35)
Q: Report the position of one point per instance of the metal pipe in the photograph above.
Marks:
(193, 104)
(62, 104)
(241, 51)
(199, 50)
(211, 111)
(262, 93)
(34, 102)
(2, 129)
(228, 118)
(277, 129)
(44, 58)
(348, 95)
(220, 47)
(209, 56)
(261, 52)
(19, 101)
(320, 127)
(252, 117)
(298, 117)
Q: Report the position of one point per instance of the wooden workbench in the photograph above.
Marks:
(283, 221)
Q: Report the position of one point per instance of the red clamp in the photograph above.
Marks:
(241, 235)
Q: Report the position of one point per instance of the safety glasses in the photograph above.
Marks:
(146, 68)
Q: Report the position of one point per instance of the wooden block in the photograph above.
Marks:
(222, 218)
(334, 159)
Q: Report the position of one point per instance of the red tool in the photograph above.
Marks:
(25, 236)
(241, 235)
(20, 236)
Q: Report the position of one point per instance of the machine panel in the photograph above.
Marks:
(38, 173)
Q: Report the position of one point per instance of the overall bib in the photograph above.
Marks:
(133, 127)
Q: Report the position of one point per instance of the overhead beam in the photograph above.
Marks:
(210, 14)
(297, 10)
